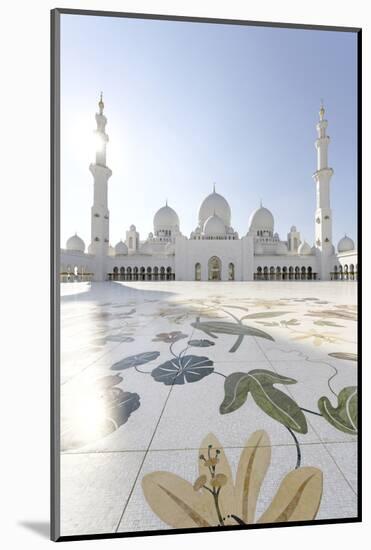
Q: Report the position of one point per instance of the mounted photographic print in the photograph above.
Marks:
(205, 277)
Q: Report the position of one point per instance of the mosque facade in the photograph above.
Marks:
(214, 251)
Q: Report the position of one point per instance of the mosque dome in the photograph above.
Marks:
(293, 229)
(261, 219)
(345, 244)
(281, 248)
(304, 249)
(214, 226)
(133, 228)
(111, 251)
(75, 243)
(165, 218)
(121, 249)
(215, 204)
(258, 249)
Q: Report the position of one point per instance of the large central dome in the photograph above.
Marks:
(215, 204)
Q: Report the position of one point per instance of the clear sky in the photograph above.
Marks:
(189, 104)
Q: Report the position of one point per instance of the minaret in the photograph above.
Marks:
(99, 211)
(322, 177)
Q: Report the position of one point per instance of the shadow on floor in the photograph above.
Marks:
(41, 528)
(118, 291)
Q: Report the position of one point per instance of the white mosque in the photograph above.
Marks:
(214, 251)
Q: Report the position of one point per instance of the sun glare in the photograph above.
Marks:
(89, 414)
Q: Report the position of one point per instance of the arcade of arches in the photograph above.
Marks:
(345, 273)
(284, 274)
(81, 273)
(75, 273)
(142, 274)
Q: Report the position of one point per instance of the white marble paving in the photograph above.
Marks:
(120, 416)
(94, 490)
(138, 516)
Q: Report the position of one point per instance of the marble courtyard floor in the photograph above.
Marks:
(193, 404)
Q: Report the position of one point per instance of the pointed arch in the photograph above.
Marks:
(214, 269)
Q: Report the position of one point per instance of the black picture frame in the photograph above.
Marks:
(55, 251)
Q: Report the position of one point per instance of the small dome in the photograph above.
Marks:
(215, 204)
(345, 244)
(293, 229)
(75, 243)
(261, 219)
(133, 228)
(111, 251)
(258, 249)
(281, 248)
(150, 235)
(304, 249)
(165, 218)
(214, 226)
(121, 249)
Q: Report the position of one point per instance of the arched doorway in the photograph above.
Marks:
(214, 269)
(198, 272)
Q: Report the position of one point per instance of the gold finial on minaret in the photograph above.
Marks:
(321, 111)
(101, 104)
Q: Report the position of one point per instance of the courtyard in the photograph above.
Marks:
(169, 389)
